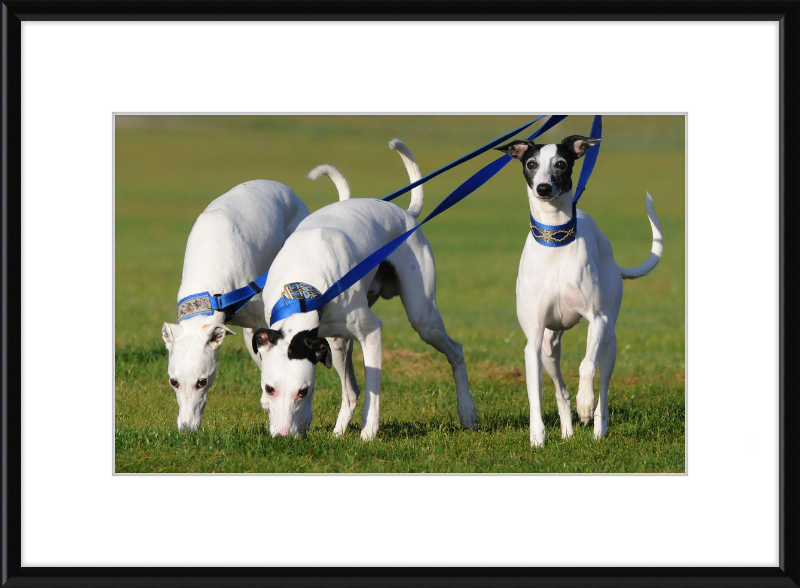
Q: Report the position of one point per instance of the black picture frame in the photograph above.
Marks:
(787, 13)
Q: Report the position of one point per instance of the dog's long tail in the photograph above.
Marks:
(655, 252)
(338, 179)
(412, 168)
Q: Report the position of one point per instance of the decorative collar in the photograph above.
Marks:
(195, 305)
(301, 292)
(230, 303)
(555, 235)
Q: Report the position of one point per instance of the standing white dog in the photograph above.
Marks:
(567, 271)
(323, 249)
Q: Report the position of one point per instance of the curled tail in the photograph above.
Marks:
(655, 252)
(413, 175)
(337, 178)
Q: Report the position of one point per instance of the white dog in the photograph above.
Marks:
(557, 285)
(323, 248)
(232, 242)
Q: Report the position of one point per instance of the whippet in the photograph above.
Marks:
(321, 250)
(557, 285)
(232, 242)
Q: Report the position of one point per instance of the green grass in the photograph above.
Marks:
(169, 168)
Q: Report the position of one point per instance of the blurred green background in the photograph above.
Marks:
(167, 170)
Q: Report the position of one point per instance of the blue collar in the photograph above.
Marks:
(205, 304)
(555, 235)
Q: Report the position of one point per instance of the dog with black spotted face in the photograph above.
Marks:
(288, 372)
(548, 168)
(326, 245)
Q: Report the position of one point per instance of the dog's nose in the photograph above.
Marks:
(188, 425)
(544, 189)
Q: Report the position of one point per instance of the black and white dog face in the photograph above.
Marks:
(289, 359)
(548, 168)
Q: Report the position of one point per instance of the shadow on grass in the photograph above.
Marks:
(487, 423)
(636, 421)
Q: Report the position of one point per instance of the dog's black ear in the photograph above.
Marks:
(515, 149)
(265, 338)
(322, 351)
(579, 144)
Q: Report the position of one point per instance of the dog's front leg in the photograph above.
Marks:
(551, 358)
(585, 397)
(606, 362)
(533, 377)
(342, 351)
(369, 336)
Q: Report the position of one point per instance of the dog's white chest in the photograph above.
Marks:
(549, 288)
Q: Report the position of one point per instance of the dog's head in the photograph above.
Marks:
(193, 349)
(289, 358)
(548, 168)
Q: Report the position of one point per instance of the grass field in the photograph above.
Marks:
(167, 169)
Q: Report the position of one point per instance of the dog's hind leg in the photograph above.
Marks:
(431, 330)
(342, 357)
(551, 359)
(606, 361)
(416, 274)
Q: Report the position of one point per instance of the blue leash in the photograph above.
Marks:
(287, 307)
(203, 303)
(561, 235)
(589, 159)
(458, 162)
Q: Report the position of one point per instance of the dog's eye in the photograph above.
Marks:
(173, 382)
(269, 390)
(531, 164)
(561, 164)
(201, 383)
(303, 392)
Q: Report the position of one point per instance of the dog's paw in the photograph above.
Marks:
(341, 424)
(537, 436)
(600, 426)
(369, 430)
(468, 415)
(585, 410)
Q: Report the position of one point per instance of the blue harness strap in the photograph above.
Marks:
(560, 235)
(286, 307)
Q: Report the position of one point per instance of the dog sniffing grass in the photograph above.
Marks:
(165, 178)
